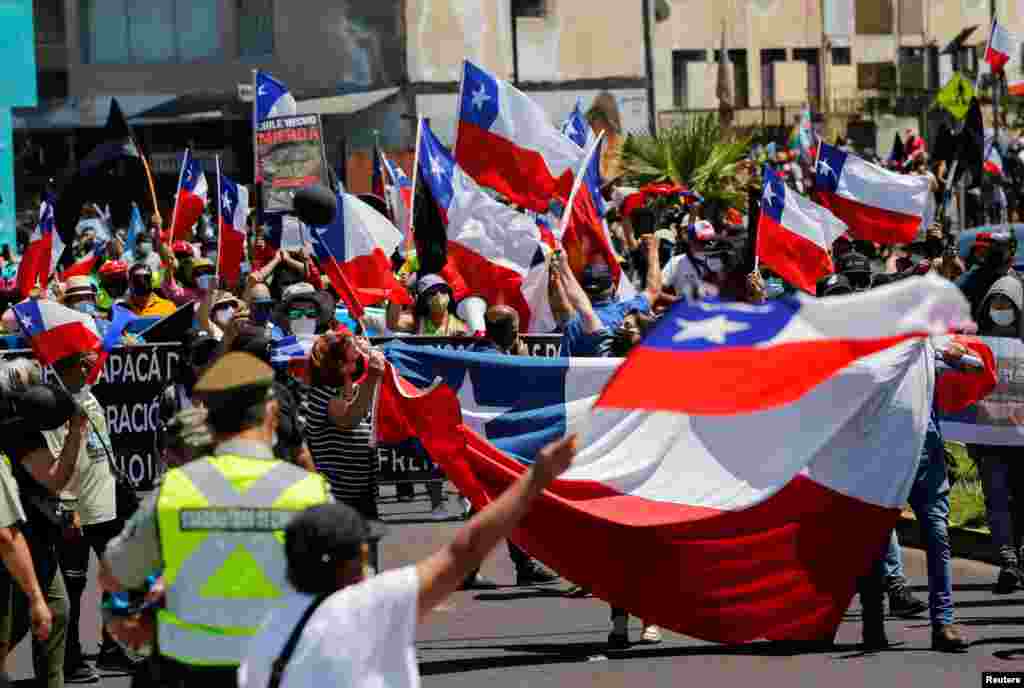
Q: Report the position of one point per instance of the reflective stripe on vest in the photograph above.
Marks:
(221, 524)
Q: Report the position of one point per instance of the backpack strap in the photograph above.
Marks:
(277, 668)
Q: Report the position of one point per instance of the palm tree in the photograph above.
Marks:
(697, 153)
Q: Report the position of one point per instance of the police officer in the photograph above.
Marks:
(213, 529)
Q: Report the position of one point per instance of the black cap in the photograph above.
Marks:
(834, 284)
(326, 534)
(853, 262)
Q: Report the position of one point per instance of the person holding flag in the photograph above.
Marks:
(233, 213)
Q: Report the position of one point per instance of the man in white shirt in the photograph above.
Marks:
(362, 630)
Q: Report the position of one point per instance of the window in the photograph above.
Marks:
(530, 8)
(841, 56)
(912, 17)
(255, 28)
(769, 56)
(810, 56)
(149, 31)
(48, 17)
(680, 58)
(876, 76)
(873, 17)
(740, 77)
(912, 62)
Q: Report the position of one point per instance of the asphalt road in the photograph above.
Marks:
(537, 636)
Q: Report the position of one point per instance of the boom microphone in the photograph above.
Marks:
(315, 205)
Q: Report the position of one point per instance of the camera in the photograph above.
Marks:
(28, 405)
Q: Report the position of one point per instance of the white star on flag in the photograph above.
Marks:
(436, 169)
(823, 165)
(571, 130)
(225, 201)
(262, 91)
(26, 322)
(475, 416)
(480, 97)
(714, 330)
(769, 195)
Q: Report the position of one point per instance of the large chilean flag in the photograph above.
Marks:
(44, 249)
(55, 331)
(191, 198)
(505, 141)
(726, 517)
(497, 251)
(877, 204)
(234, 214)
(794, 235)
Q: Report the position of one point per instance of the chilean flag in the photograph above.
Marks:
(291, 355)
(878, 205)
(191, 198)
(794, 235)
(42, 253)
(55, 331)
(234, 211)
(498, 251)
(1001, 47)
(87, 263)
(727, 516)
(121, 318)
(584, 232)
(505, 141)
(355, 253)
(377, 175)
(273, 99)
(994, 161)
(400, 194)
(577, 129)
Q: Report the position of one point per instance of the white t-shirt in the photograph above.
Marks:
(360, 637)
(92, 483)
(681, 274)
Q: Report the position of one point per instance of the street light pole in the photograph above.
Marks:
(652, 122)
(515, 44)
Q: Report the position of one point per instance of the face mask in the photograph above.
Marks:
(85, 307)
(144, 250)
(222, 316)
(303, 326)
(1003, 318)
(439, 303)
(775, 288)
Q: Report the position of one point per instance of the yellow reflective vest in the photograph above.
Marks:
(221, 523)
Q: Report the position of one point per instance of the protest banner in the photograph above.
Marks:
(545, 345)
(290, 156)
(998, 418)
(129, 390)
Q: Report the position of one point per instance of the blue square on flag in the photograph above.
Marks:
(712, 324)
(774, 198)
(479, 97)
(829, 167)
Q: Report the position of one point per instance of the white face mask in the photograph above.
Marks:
(223, 315)
(303, 326)
(1003, 318)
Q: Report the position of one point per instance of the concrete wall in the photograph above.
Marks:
(578, 39)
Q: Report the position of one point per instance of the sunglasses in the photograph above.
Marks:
(296, 313)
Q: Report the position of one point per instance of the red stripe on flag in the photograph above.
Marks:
(342, 286)
(495, 284)
(733, 380)
(187, 213)
(373, 281)
(519, 174)
(795, 258)
(872, 224)
(584, 237)
(82, 267)
(230, 254)
(63, 341)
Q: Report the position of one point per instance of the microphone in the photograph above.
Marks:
(315, 205)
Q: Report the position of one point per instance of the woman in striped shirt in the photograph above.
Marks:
(344, 372)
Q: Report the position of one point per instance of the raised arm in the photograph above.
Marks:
(578, 298)
(441, 574)
(653, 284)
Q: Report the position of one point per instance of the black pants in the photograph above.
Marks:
(161, 672)
(74, 564)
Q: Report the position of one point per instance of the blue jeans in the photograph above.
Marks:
(929, 498)
(996, 481)
(892, 563)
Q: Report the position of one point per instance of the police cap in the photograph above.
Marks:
(234, 383)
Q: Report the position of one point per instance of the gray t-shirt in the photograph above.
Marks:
(11, 512)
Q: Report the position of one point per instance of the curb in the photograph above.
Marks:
(967, 543)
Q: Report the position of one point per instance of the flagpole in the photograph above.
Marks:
(152, 187)
(257, 176)
(177, 192)
(220, 223)
(411, 230)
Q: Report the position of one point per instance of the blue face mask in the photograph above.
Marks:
(774, 288)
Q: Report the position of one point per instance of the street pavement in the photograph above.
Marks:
(537, 636)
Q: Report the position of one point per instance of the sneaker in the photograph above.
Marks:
(535, 573)
(905, 605)
(113, 658)
(618, 641)
(949, 638)
(1008, 581)
(83, 673)
(439, 513)
(651, 635)
(478, 582)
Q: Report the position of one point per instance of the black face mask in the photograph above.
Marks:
(933, 247)
(141, 285)
(116, 289)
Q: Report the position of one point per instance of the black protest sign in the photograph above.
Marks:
(129, 392)
(289, 156)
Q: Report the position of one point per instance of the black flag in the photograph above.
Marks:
(429, 230)
(944, 147)
(970, 145)
(897, 154)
